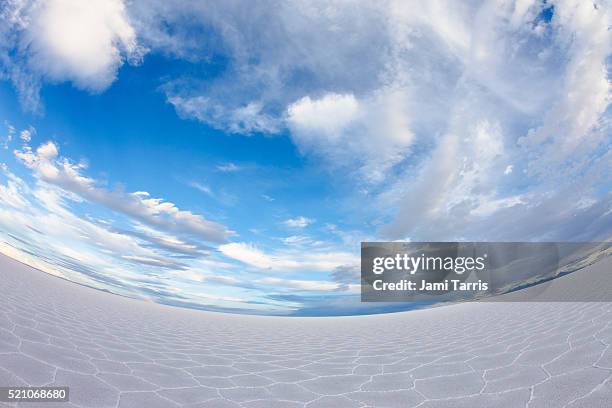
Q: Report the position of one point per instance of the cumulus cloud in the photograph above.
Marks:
(371, 134)
(329, 115)
(65, 40)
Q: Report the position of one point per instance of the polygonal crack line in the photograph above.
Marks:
(165, 398)
(550, 377)
(369, 381)
(56, 367)
(434, 361)
(590, 392)
(426, 399)
(603, 352)
(260, 373)
(122, 393)
(445, 375)
(44, 362)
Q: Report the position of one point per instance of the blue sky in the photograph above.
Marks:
(197, 154)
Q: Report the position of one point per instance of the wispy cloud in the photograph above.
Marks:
(228, 167)
(298, 222)
(8, 136)
(322, 260)
(245, 119)
(201, 187)
(26, 134)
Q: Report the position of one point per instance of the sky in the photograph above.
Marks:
(232, 158)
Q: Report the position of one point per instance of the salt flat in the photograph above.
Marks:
(118, 352)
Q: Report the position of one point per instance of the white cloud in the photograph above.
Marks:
(298, 222)
(327, 116)
(201, 187)
(425, 103)
(569, 127)
(489, 205)
(81, 42)
(248, 254)
(50, 226)
(10, 133)
(26, 134)
(165, 241)
(297, 240)
(140, 206)
(456, 185)
(66, 40)
(276, 56)
(245, 119)
(228, 168)
(285, 74)
(40, 226)
(429, 189)
(10, 194)
(310, 260)
(505, 68)
(368, 136)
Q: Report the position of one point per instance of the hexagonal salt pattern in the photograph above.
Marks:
(118, 352)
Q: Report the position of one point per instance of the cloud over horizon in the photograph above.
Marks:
(296, 130)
